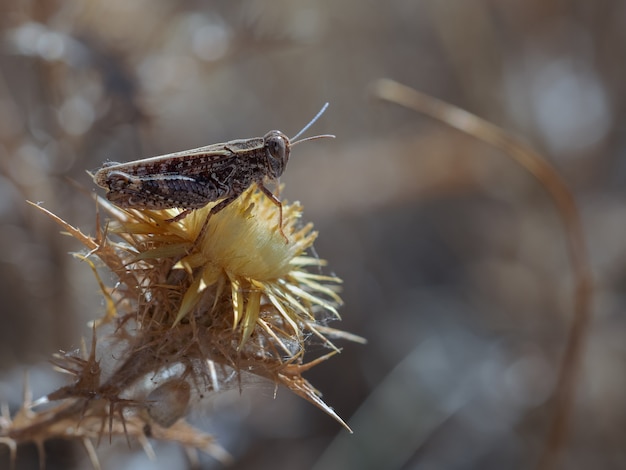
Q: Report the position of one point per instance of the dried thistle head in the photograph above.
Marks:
(190, 316)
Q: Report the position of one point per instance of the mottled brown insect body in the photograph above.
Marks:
(193, 178)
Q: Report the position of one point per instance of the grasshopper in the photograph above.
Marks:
(191, 179)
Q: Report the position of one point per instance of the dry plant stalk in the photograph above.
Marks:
(187, 319)
(565, 203)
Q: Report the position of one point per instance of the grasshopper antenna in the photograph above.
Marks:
(305, 128)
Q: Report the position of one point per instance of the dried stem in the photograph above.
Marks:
(534, 163)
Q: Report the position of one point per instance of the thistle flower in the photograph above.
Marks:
(194, 312)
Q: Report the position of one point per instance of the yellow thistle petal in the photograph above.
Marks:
(251, 317)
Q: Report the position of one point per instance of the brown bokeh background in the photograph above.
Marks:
(453, 256)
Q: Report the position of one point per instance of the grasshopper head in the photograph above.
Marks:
(277, 148)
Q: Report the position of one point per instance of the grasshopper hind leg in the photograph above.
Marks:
(180, 216)
(214, 210)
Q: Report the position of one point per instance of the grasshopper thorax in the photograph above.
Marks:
(277, 149)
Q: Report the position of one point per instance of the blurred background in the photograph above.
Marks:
(453, 256)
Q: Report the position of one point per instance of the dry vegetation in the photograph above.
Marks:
(466, 270)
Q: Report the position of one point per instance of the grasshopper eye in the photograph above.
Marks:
(276, 146)
(277, 149)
